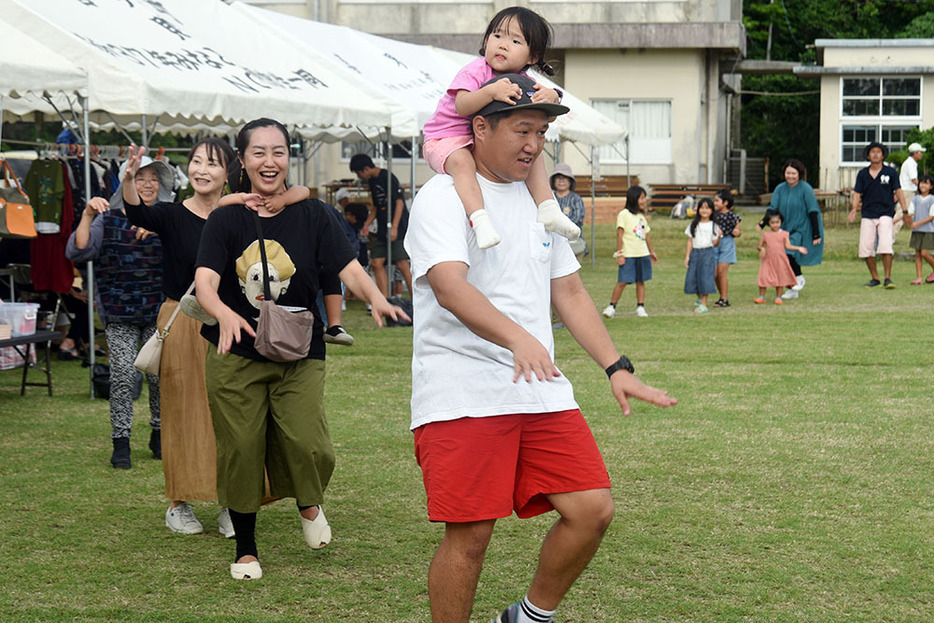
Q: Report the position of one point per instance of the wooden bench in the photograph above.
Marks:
(665, 196)
(28, 341)
(609, 186)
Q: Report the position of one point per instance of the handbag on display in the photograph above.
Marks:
(149, 357)
(281, 335)
(16, 216)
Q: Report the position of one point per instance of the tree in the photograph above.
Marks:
(779, 125)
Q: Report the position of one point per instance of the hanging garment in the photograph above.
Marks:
(50, 269)
(45, 185)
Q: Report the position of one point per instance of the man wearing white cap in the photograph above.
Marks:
(908, 178)
(342, 197)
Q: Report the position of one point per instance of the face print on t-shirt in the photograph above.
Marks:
(639, 229)
(250, 271)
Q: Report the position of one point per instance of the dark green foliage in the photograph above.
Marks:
(780, 126)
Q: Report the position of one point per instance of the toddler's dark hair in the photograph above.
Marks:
(707, 201)
(535, 28)
(926, 178)
(726, 195)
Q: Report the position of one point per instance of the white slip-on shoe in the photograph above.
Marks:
(609, 311)
(317, 531)
(246, 570)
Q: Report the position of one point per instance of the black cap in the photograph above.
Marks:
(525, 102)
(869, 147)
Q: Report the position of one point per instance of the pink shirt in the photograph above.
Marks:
(446, 122)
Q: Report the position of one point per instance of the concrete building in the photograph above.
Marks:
(655, 66)
(871, 90)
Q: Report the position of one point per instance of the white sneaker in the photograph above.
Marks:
(225, 525)
(182, 519)
(609, 311)
(640, 311)
(790, 294)
(801, 281)
(337, 335)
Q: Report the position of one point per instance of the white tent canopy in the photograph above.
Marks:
(416, 76)
(192, 62)
(29, 67)
(32, 71)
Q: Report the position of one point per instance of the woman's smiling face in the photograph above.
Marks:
(147, 185)
(207, 175)
(266, 160)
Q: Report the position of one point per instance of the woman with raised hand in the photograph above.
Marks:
(189, 458)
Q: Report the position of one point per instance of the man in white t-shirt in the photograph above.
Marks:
(497, 429)
(908, 180)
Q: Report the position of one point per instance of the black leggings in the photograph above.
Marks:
(795, 267)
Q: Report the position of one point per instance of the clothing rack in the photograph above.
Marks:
(110, 152)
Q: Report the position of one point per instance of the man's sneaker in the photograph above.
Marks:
(182, 519)
(790, 294)
(872, 283)
(801, 281)
(224, 525)
(337, 335)
(889, 284)
(640, 311)
(609, 311)
(510, 614)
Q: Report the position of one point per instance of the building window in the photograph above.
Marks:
(649, 126)
(877, 109)
(881, 97)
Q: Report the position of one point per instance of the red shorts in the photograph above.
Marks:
(476, 469)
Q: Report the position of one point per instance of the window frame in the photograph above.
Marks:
(878, 123)
(616, 154)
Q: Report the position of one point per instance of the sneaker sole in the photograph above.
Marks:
(342, 340)
(184, 531)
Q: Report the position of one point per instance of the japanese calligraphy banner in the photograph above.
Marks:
(416, 76)
(194, 62)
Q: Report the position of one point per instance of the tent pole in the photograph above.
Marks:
(89, 286)
(593, 210)
(390, 204)
(144, 134)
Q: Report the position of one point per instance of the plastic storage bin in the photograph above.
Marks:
(22, 316)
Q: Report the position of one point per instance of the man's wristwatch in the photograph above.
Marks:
(622, 364)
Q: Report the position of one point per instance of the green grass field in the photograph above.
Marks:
(791, 483)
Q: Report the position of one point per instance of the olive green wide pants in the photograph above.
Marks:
(270, 415)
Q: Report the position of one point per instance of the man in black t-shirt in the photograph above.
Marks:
(379, 180)
(874, 193)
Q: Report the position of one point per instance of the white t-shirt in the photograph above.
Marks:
(456, 373)
(703, 235)
(909, 172)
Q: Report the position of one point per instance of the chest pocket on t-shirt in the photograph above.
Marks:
(540, 242)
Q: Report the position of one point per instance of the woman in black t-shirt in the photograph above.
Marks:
(265, 412)
(189, 460)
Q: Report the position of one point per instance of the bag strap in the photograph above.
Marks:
(178, 308)
(262, 252)
(8, 174)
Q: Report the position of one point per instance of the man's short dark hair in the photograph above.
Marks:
(360, 162)
(359, 212)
